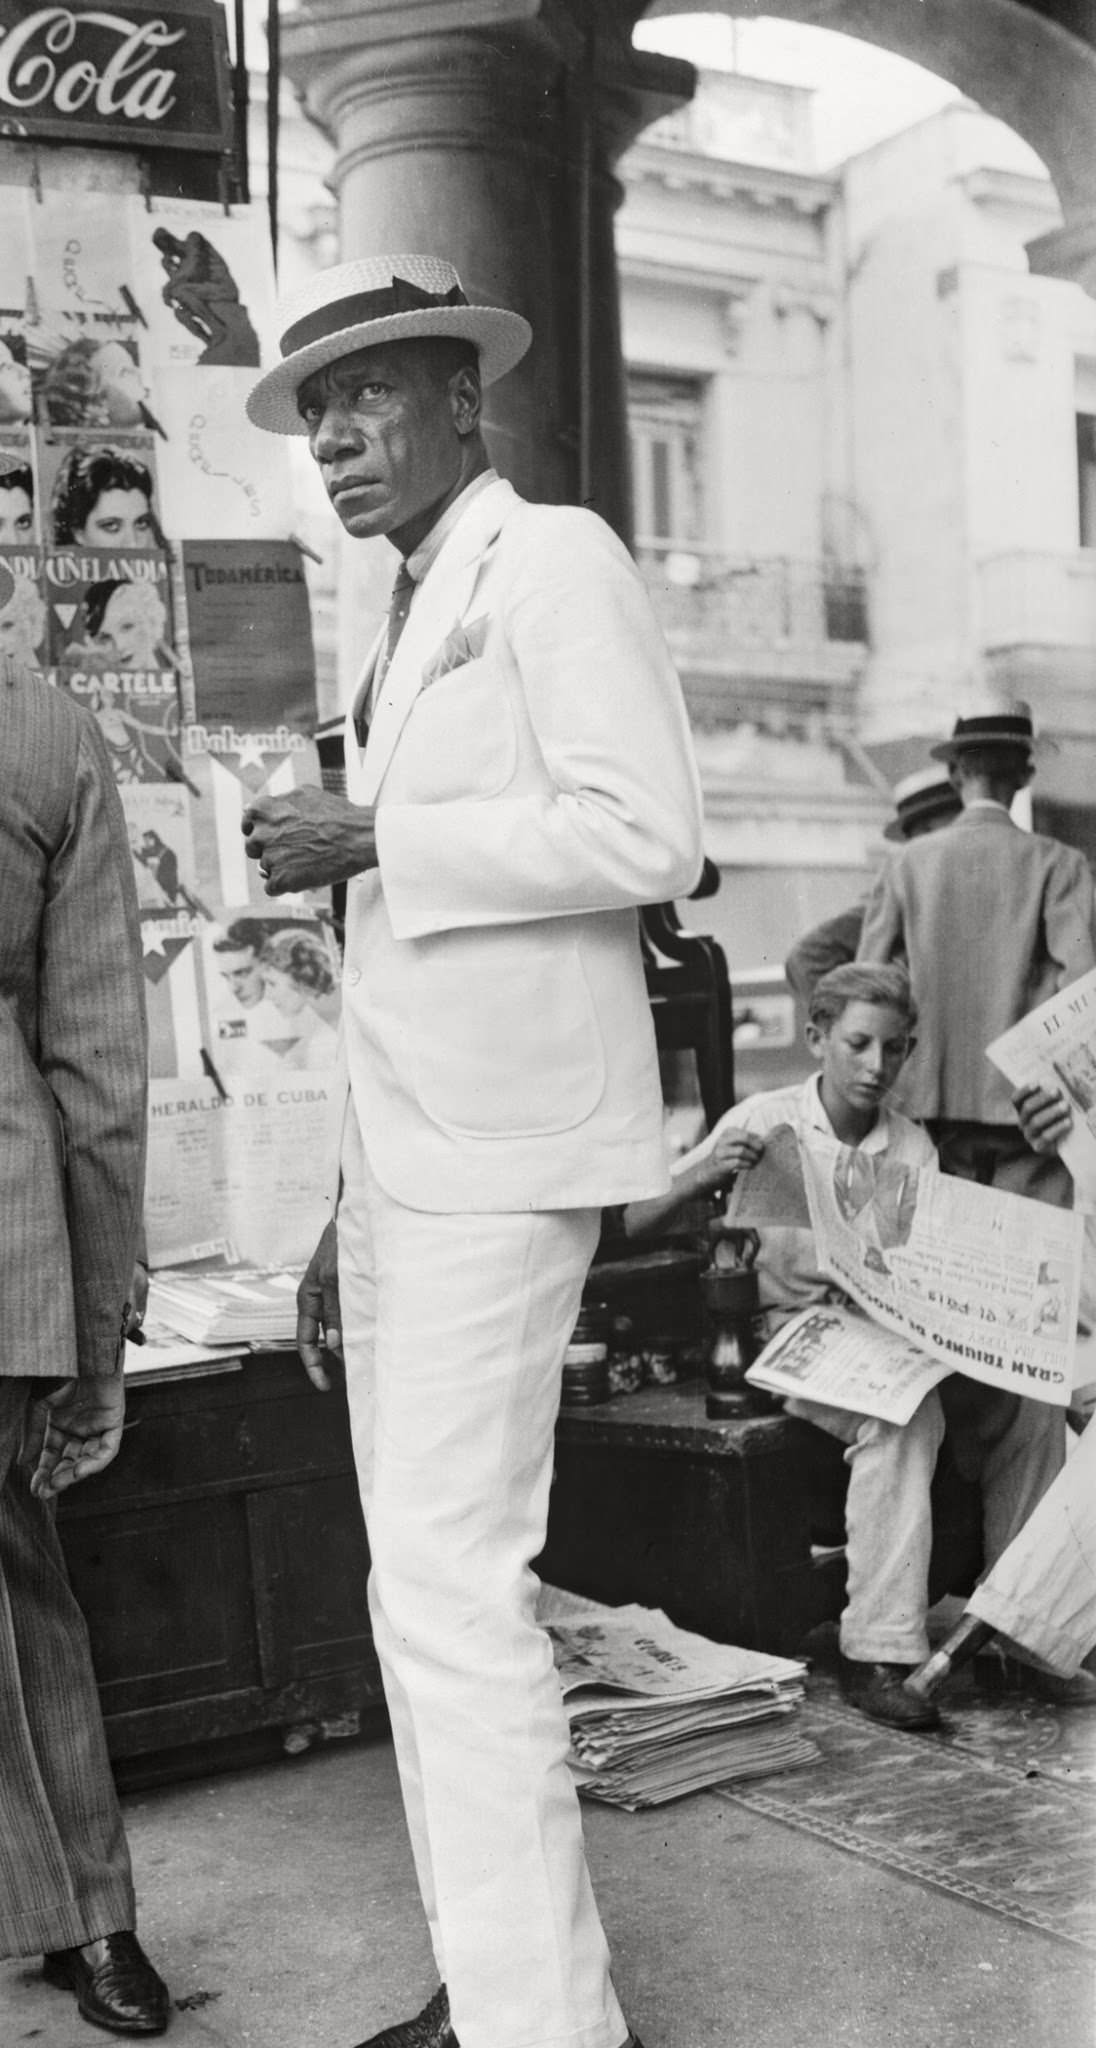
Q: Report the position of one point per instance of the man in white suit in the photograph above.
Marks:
(519, 779)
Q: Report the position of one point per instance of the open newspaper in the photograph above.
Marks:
(656, 1711)
(985, 1282)
(841, 1358)
(1054, 1047)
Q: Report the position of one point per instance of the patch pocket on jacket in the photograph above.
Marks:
(514, 1047)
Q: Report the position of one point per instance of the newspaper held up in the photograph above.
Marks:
(987, 1282)
(1054, 1047)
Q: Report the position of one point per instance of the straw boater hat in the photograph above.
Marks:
(373, 300)
(918, 798)
(1009, 724)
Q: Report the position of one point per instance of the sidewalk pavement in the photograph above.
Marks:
(279, 1903)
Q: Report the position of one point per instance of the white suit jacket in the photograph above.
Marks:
(530, 763)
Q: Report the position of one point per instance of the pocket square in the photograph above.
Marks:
(463, 644)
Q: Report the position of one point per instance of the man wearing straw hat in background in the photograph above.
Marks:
(519, 779)
(991, 921)
(923, 802)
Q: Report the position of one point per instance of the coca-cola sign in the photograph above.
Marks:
(137, 74)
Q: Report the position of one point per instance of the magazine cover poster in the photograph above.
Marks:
(16, 397)
(19, 497)
(272, 992)
(84, 330)
(219, 474)
(99, 492)
(158, 820)
(110, 636)
(248, 1170)
(225, 769)
(177, 1027)
(203, 280)
(23, 611)
(250, 635)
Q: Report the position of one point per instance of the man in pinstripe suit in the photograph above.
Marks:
(73, 1079)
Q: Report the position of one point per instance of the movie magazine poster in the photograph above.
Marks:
(16, 400)
(99, 491)
(111, 646)
(225, 768)
(19, 496)
(219, 473)
(23, 612)
(249, 634)
(243, 1010)
(84, 329)
(272, 986)
(204, 283)
(161, 840)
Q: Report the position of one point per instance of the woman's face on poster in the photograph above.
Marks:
(21, 627)
(118, 519)
(133, 624)
(120, 384)
(16, 517)
(15, 397)
(284, 992)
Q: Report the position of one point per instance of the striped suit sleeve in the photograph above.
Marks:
(93, 1051)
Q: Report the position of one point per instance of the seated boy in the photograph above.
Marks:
(860, 1030)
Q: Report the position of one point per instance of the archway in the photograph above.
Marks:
(1032, 65)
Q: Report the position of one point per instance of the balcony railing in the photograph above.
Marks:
(707, 602)
(1038, 600)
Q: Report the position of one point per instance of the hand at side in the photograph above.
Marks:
(74, 1432)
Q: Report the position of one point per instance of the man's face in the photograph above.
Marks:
(383, 429)
(244, 976)
(861, 1055)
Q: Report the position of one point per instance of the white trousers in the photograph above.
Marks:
(888, 1512)
(1042, 1589)
(454, 1329)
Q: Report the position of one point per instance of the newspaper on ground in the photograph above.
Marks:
(245, 1306)
(986, 1281)
(656, 1711)
(1054, 1047)
(839, 1357)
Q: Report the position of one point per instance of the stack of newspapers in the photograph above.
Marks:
(656, 1712)
(248, 1306)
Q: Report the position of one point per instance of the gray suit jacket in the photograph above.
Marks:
(73, 1049)
(991, 921)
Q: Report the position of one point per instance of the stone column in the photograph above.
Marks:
(486, 133)
(1068, 251)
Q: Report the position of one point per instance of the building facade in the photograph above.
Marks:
(864, 462)
(863, 454)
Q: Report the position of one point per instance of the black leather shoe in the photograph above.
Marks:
(431, 2028)
(115, 1984)
(880, 1690)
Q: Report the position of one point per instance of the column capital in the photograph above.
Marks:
(1068, 252)
(336, 50)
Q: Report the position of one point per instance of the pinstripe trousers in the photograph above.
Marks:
(64, 1863)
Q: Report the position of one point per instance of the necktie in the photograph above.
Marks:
(403, 591)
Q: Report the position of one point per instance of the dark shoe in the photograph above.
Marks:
(879, 1690)
(431, 2028)
(1077, 1691)
(115, 1984)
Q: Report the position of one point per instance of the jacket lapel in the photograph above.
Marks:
(441, 601)
(358, 702)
